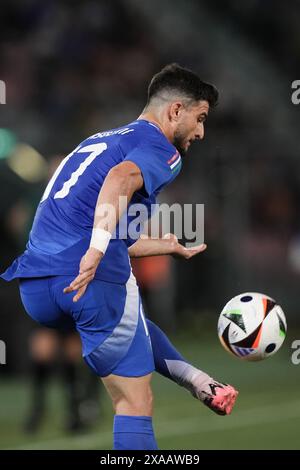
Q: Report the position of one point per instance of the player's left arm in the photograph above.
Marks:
(168, 245)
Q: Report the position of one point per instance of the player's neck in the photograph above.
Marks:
(149, 116)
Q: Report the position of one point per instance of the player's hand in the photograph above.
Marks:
(180, 251)
(87, 269)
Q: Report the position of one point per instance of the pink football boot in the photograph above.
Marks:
(219, 397)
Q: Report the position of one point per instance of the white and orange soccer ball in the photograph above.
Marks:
(252, 326)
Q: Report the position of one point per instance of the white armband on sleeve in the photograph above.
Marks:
(100, 239)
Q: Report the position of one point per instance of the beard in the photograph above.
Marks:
(178, 142)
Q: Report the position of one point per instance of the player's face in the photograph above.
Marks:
(190, 126)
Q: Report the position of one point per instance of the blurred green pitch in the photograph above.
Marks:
(267, 414)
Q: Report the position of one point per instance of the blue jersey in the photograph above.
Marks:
(63, 223)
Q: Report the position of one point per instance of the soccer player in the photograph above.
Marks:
(76, 246)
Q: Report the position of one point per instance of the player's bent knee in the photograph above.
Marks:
(130, 396)
(140, 407)
(134, 402)
(135, 406)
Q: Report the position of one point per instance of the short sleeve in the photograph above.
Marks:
(159, 165)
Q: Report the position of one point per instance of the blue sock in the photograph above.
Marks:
(163, 350)
(134, 433)
(169, 362)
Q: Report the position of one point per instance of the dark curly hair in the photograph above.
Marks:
(176, 79)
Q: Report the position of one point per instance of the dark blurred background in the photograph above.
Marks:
(73, 68)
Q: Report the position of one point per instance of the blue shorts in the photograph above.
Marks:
(109, 318)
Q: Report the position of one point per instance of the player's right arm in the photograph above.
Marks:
(168, 245)
(123, 180)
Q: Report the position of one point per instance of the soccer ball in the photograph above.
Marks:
(252, 326)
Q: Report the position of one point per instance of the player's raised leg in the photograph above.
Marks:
(132, 402)
(218, 396)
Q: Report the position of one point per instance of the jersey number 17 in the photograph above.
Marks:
(94, 151)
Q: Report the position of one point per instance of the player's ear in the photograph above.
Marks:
(175, 110)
